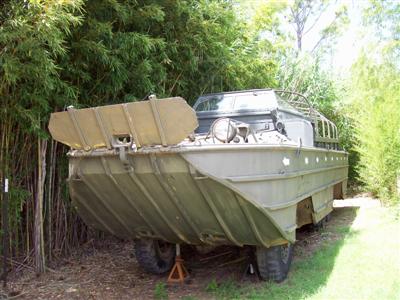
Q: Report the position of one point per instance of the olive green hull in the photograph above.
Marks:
(183, 195)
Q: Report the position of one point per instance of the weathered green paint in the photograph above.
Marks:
(183, 195)
(143, 179)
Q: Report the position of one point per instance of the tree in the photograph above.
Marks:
(56, 53)
(305, 14)
(375, 102)
(32, 39)
(376, 113)
(384, 18)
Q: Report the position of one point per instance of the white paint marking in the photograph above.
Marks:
(286, 161)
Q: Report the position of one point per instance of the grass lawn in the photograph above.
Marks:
(361, 261)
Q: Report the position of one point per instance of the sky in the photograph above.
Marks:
(349, 43)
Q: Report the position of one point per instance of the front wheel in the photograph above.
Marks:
(155, 256)
(274, 262)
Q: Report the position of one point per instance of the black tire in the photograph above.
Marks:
(328, 217)
(319, 226)
(274, 263)
(322, 223)
(154, 256)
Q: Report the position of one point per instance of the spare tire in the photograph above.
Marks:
(155, 256)
(274, 262)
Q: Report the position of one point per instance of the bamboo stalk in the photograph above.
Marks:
(53, 149)
(38, 234)
(57, 229)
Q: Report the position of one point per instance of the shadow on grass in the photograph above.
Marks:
(314, 260)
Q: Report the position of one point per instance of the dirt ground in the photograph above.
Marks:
(109, 270)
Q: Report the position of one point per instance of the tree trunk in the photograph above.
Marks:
(38, 231)
(299, 40)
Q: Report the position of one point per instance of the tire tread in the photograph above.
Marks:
(147, 258)
(270, 264)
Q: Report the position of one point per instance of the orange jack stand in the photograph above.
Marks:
(178, 273)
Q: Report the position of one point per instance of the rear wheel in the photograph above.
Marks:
(155, 256)
(328, 217)
(274, 262)
(322, 223)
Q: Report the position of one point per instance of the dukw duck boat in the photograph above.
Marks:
(240, 168)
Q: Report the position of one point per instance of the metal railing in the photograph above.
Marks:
(325, 131)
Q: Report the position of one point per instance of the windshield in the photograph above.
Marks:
(254, 100)
(217, 102)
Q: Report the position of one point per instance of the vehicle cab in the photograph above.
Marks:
(263, 110)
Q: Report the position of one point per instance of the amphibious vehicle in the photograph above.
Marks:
(242, 168)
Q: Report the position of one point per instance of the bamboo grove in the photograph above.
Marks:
(59, 53)
(56, 53)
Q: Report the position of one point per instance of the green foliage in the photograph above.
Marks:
(375, 102)
(32, 38)
(305, 75)
(212, 286)
(383, 14)
(160, 291)
(227, 289)
(376, 112)
(189, 298)
(125, 50)
(383, 17)
(56, 53)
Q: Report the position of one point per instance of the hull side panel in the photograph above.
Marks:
(276, 181)
(159, 197)
(185, 198)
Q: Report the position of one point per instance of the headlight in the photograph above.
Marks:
(224, 130)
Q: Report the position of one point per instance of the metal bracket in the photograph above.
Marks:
(122, 152)
(299, 145)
